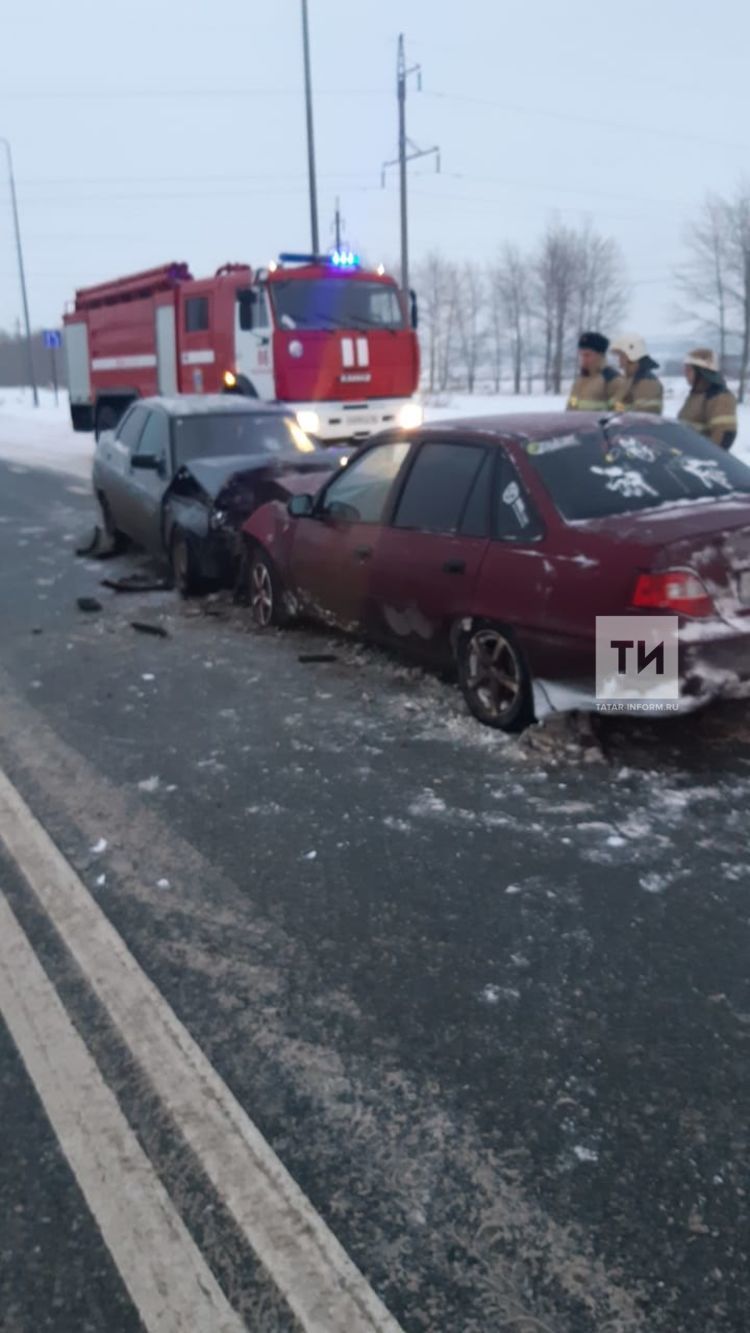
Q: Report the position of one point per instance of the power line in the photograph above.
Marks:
(129, 94)
(651, 131)
(193, 177)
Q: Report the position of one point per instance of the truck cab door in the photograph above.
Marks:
(254, 340)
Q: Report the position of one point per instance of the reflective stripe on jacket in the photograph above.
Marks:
(596, 393)
(713, 412)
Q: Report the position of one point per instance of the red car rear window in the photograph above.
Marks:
(615, 470)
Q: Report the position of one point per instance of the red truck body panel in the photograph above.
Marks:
(163, 331)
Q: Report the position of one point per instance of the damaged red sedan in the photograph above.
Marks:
(494, 543)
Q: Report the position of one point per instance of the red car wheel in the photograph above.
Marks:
(494, 678)
(265, 592)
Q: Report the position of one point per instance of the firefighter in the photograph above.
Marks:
(710, 407)
(598, 386)
(643, 391)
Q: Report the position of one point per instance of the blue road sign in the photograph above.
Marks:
(52, 338)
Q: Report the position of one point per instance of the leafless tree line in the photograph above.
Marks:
(520, 316)
(714, 282)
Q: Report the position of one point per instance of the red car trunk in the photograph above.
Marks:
(717, 549)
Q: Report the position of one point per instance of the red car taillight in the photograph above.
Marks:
(674, 590)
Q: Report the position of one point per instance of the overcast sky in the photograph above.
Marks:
(161, 130)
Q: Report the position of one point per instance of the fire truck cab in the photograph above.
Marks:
(331, 339)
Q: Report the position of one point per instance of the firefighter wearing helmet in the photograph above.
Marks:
(710, 407)
(598, 386)
(643, 391)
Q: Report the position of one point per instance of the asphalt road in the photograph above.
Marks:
(487, 1000)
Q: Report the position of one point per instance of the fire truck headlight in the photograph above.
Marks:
(410, 416)
(295, 348)
(308, 421)
(230, 379)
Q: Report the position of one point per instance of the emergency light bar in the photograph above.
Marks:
(291, 257)
(338, 258)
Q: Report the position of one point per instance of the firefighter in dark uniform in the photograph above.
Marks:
(598, 387)
(710, 407)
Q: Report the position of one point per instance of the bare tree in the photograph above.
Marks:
(512, 279)
(704, 280)
(450, 322)
(602, 288)
(495, 324)
(557, 282)
(739, 276)
(470, 302)
(433, 279)
(536, 305)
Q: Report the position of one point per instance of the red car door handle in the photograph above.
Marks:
(363, 552)
(454, 567)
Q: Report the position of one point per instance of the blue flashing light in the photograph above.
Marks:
(344, 259)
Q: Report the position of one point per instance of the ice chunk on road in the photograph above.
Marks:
(654, 883)
(585, 1154)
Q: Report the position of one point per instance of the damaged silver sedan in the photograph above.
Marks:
(179, 476)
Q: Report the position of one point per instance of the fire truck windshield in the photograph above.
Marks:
(336, 303)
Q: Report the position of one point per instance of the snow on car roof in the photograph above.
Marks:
(540, 425)
(212, 404)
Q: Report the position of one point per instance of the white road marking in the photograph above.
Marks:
(322, 1286)
(160, 1264)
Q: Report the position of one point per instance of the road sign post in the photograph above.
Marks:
(53, 340)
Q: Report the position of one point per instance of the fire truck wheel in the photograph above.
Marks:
(185, 570)
(106, 419)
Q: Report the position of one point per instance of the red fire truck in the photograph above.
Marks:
(323, 334)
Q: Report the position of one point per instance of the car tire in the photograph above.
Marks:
(265, 591)
(494, 677)
(184, 564)
(117, 540)
(106, 419)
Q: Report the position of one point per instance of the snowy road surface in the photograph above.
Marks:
(477, 1009)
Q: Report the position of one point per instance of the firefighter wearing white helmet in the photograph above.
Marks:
(643, 390)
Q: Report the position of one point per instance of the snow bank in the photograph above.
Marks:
(43, 436)
(443, 406)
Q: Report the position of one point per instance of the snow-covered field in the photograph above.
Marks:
(43, 437)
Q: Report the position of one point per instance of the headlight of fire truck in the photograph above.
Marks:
(410, 416)
(308, 421)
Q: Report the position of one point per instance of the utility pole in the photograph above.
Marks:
(337, 225)
(310, 133)
(21, 273)
(407, 152)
